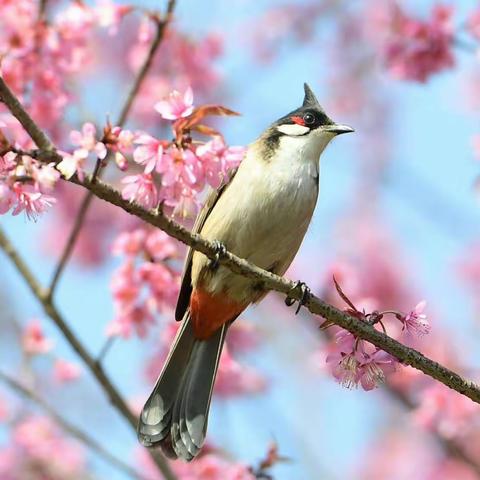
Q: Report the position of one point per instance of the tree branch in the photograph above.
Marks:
(69, 428)
(162, 25)
(270, 281)
(449, 445)
(97, 370)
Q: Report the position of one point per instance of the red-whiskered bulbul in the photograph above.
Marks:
(262, 215)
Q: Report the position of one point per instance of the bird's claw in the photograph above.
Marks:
(289, 301)
(220, 250)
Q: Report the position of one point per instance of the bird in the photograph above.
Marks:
(260, 214)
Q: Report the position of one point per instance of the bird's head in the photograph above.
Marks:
(307, 127)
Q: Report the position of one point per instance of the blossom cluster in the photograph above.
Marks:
(146, 283)
(353, 361)
(42, 58)
(37, 449)
(184, 166)
(416, 49)
(39, 61)
(26, 185)
(174, 172)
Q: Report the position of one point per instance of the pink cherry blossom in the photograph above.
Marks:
(130, 243)
(242, 337)
(417, 49)
(39, 439)
(109, 15)
(182, 167)
(180, 201)
(177, 105)
(87, 142)
(31, 201)
(415, 322)
(8, 162)
(125, 284)
(136, 319)
(218, 159)
(72, 164)
(34, 341)
(140, 189)
(141, 288)
(46, 177)
(149, 153)
(355, 362)
(446, 411)
(161, 246)
(162, 283)
(120, 142)
(64, 371)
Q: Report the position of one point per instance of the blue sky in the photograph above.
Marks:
(321, 426)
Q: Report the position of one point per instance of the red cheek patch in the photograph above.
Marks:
(298, 120)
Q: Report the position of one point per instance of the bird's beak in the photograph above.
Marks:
(337, 129)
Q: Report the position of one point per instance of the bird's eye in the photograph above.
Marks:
(309, 118)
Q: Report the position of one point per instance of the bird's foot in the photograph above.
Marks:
(221, 250)
(305, 291)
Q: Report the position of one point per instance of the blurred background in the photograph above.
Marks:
(397, 222)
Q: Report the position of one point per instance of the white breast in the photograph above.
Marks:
(264, 213)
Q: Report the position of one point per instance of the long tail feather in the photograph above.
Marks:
(155, 419)
(175, 415)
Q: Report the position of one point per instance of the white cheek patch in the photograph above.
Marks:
(293, 130)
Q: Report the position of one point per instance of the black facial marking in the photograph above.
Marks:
(313, 118)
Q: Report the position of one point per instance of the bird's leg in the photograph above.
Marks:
(221, 250)
(289, 301)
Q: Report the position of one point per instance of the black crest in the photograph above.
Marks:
(310, 100)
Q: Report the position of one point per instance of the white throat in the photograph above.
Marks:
(307, 148)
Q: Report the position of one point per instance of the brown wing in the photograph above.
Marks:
(186, 285)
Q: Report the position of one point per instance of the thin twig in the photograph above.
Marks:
(162, 25)
(50, 309)
(71, 429)
(72, 238)
(105, 349)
